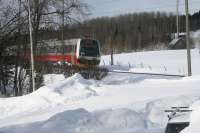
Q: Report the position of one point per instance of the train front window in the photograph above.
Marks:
(89, 48)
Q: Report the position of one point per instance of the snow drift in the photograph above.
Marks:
(120, 103)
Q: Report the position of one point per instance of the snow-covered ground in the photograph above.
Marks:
(119, 103)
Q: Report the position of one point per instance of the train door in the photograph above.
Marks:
(72, 54)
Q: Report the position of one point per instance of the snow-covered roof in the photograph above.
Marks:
(180, 34)
(174, 41)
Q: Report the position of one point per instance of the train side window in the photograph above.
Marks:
(38, 51)
(58, 50)
(62, 49)
(68, 49)
(51, 50)
(73, 49)
(43, 50)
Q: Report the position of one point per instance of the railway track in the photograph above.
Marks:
(96, 73)
(140, 73)
(91, 72)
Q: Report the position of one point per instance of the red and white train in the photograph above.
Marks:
(79, 52)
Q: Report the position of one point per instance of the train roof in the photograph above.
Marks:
(58, 42)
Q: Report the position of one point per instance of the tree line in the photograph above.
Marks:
(133, 32)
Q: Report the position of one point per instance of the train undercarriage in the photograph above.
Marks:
(42, 68)
(68, 70)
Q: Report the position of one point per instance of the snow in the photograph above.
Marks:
(196, 38)
(174, 41)
(168, 61)
(194, 119)
(119, 103)
(80, 120)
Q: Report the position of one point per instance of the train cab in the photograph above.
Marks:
(88, 52)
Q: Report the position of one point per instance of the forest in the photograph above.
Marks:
(133, 32)
(128, 32)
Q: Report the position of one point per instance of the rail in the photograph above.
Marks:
(156, 74)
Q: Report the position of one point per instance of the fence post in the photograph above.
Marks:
(129, 64)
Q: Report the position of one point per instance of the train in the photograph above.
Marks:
(80, 55)
(82, 52)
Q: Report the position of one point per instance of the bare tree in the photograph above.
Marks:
(14, 31)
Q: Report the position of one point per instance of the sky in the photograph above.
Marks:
(116, 7)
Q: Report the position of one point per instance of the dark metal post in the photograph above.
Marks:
(177, 18)
(188, 40)
(111, 50)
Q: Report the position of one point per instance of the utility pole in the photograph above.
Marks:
(139, 38)
(16, 87)
(177, 18)
(63, 20)
(62, 29)
(188, 40)
(111, 50)
(31, 47)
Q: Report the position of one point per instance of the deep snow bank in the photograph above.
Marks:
(151, 120)
(194, 119)
(70, 89)
(118, 103)
(82, 121)
(57, 90)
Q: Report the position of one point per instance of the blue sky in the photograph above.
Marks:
(115, 7)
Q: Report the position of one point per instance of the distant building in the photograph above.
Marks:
(174, 35)
(178, 42)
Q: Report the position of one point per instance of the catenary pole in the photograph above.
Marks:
(31, 47)
(111, 51)
(62, 28)
(188, 39)
(177, 18)
(63, 20)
